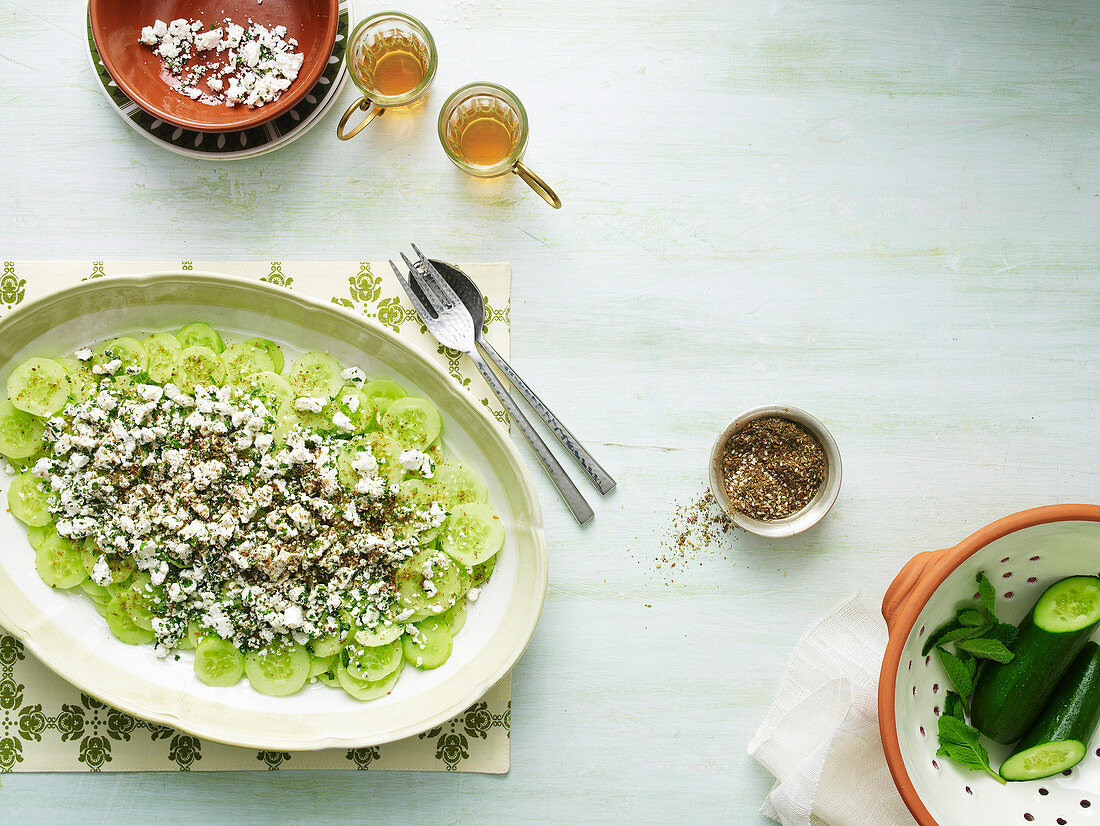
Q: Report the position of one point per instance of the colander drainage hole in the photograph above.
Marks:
(1061, 821)
(1028, 816)
(1043, 791)
(1035, 559)
(1032, 580)
(1003, 561)
(1008, 595)
(969, 791)
(1007, 575)
(1085, 804)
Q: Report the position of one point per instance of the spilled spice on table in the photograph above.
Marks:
(695, 529)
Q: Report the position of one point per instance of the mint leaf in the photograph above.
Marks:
(1004, 632)
(953, 706)
(988, 595)
(987, 649)
(960, 674)
(961, 743)
(960, 634)
(973, 619)
(936, 637)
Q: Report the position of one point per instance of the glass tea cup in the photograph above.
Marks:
(483, 129)
(391, 58)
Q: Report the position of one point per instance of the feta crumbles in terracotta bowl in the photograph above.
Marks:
(215, 67)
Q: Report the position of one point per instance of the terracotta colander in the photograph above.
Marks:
(1022, 555)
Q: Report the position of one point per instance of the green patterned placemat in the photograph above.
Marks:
(48, 725)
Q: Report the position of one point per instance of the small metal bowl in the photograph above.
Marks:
(815, 509)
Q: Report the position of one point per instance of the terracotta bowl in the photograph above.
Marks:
(1022, 555)
(117, 25)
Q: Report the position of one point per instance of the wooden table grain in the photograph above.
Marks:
(883, 212)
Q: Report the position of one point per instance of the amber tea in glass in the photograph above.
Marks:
(391, 58)
(483, 129)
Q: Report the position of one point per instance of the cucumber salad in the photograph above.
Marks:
(285, 525)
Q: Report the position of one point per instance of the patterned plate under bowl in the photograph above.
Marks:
(247, 143)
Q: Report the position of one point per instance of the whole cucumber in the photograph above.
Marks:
(1010, 696)
(1059, 740)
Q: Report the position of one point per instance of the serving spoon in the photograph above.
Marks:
(470, 296)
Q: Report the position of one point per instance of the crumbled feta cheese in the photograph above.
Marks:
(342, 421)
(310, 404)
(353, 374)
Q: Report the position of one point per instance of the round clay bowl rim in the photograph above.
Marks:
(250, 117)
(906, 598)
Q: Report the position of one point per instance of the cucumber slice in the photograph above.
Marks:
(243, 360)
(455, 484)
(324, 647)
(37, 534)
(412, 422)
(373, 635)
(370, 663)
(317, 421)
(366, 689)
(57, 561)
(483, 571)
(385, 451)
(197, 633)
(430, 647)
(97, 592)
(21, 434)
(356, 405)
(202, 335)
(320, 665)
(1060, 738)
(1010, 696)
(315, 374)
(1069, 605)
(128, 350)
(28, 499)
(416, 495)
(120, 568)
(198, 366)
(137, 606)
(39, 387)
(382, 393)
(82, 381)
(218, 662)
(329, 677)
(164, 350)
(272, 388)
(279, 670)
(454, 617)
(472, 533)
(412, 590)
(122, 625)
(272, 349)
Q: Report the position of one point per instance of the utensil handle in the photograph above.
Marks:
(364, 103)
(600, 477)
(580, 508)
(538, 184)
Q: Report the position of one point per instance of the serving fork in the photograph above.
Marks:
(447, 318)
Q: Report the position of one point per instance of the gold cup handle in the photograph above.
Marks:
(364, 103)
(538, 184)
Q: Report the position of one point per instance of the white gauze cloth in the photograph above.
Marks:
(820, 738)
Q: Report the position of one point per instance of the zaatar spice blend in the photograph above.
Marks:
(772, 467)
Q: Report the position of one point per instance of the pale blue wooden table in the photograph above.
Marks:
(883, 212)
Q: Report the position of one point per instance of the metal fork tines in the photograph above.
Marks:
(446, 318)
